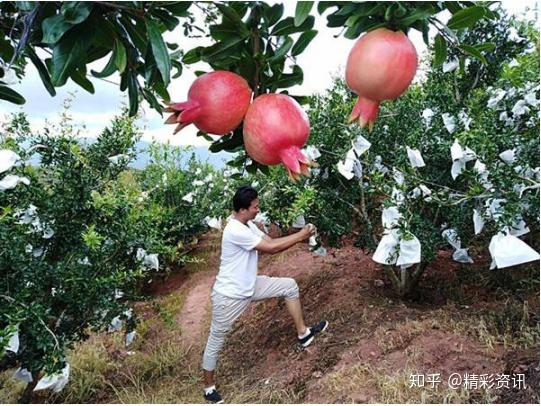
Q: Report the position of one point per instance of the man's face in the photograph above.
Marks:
(253, 209)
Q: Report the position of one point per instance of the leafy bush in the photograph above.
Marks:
(80, 231)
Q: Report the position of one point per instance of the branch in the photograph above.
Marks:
(255, 51)
(477, 77)
(117, 6)
(13, 301)
(393, 277)
(419, 270)
(27, 27)
(365, 215)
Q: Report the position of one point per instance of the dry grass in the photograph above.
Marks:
(511, 326)
(10, 389)
(363, 383)
(399, 336)
(261, 391)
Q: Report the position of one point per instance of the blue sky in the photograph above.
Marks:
(324, 58)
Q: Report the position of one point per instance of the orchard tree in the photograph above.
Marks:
(445, 167)
(80, 234)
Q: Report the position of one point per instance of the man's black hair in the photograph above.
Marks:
(244, 196)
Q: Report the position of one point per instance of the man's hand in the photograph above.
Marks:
(307, 231)
(275, 245)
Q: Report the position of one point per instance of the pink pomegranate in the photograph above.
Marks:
(217, 103)
(380, 67)
(275, 128)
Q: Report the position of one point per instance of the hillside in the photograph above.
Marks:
(462, 321)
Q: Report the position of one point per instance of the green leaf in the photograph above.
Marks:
(151, 70)
(231, 16)
(485, 46)
(178, 66)
(137, 34)
(161, 90)
(365, 24)
(159, 51)
(229, 13)
(336, 20)
(68, 54)
(473, 52)
(76, 12)
(301, 99)
(193, 55)
(119, 54)
(205, 136)
(133, 93)
(421, 14)
(288, 79)
(264, 169)
(227, 142)
(440, 48)
(152, 101)
(348, 8)
(82, 81)
(453, 6)
(178, 8)
(95, 53)
(287, 26)
(425, 29)
(225, 30)
(324, 5)
(220, 49)
(6, 50)
(25, 5)
(54, 28)
(166, 17)
(389, 11)
(352, 20)
(11, 95)
(109, 69)
(274, 13)
(368, 8)
(303, 41)
(302, 11)
(283, 50)
(466, 17)
(42, 70)
(354, 31)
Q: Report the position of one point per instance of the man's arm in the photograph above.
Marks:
(274, 245)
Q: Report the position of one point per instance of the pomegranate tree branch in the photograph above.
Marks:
(13, 301)
(255, 37)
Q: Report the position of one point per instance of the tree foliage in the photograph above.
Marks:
(254, 39)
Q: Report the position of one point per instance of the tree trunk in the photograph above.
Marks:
(407, 280)
(28, 394)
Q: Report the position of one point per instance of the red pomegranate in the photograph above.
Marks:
(275, 128)
(380, 66)
(217, 103)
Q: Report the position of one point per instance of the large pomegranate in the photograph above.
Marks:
(275, 128)
(217, 103)
(380, 66)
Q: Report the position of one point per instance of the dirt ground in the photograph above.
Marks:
(464, 321)
(445, 329)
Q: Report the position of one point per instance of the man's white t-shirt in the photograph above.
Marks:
(238, 266)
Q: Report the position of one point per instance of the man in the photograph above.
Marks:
(238, 284)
